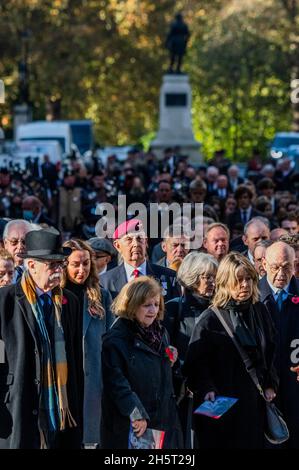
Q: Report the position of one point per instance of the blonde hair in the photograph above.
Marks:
(5, 255)
(134, 294)
(92, 283)
(226, 278)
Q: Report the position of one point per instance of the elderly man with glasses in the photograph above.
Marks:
(41, 378)
(131, 243)
(279, 291)
(14, 242)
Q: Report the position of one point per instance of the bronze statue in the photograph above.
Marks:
(176, 43)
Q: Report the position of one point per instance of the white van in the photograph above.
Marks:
(47, 130)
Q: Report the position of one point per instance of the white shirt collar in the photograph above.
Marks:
(250, 257)
(276, 290)
(129, 270)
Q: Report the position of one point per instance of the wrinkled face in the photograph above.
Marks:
(279, 267)
(15, 242)
(6, 272)
(242, 290)
(147, 312)
(132, 248)
(206, 286)
(256, 233)
(291, 226)
(175, 248)
(259, 254)
(217, 243)
(79, 265)
(46, 274)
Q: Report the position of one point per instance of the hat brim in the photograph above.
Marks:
(65, 252)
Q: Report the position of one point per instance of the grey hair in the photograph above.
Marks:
(193, 265)
(259, 219)
(14, 222)
(262, 243)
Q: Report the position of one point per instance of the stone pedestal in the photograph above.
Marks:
(22, 114)
(175, 125)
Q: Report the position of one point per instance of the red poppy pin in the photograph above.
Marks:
(295, 299)
(64, 300)
(169, 353)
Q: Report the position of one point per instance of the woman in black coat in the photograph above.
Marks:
(214, 367)
(196, 275)
(137, 375)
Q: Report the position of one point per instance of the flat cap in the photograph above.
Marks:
(102, 244)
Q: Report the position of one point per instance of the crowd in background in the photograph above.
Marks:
(147, 303)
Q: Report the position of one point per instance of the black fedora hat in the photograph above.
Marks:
(45, 244)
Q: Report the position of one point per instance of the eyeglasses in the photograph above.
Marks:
(55, 264)
(274, 268)
(100, 256)
(16, 241)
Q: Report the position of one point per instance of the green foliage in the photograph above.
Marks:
(105, 59)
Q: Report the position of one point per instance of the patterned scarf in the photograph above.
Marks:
(54, 413)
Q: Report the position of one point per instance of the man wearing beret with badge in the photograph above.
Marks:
(41, 378)
(131, 242)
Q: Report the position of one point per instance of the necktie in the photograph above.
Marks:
(136, 273)
(19, 272)
(244, 217)
(47, 309)
(279, 299)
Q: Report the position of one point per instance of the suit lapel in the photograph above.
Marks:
(26, 310)
(121, 278)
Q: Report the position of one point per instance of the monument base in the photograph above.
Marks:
(22, 113)
(175, 125)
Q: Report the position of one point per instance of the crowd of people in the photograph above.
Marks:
(107, 336)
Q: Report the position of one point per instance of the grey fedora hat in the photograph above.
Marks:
(45, 244)
(102, 244)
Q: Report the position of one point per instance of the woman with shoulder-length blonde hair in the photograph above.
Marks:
(138, 390)
(220, 371)
(80, 277)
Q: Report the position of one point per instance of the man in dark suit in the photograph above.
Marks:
(256, 230)
(279, 291)
(234, 180)
(175, 245)
(41, 377)
(50, 173)
(32, 211)
(131, 242)
(244, 211)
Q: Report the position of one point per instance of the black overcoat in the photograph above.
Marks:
(287, 326)
(136, 376)
(114, 280)
(20, 374)
(214, 364)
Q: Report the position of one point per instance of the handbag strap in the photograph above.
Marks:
(244, 356)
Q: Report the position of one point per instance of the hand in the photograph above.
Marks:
(210, 396)
(139, 426)
(173, 354)
(269, 394)
(295, 369)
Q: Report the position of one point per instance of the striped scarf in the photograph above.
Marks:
(54, 413)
